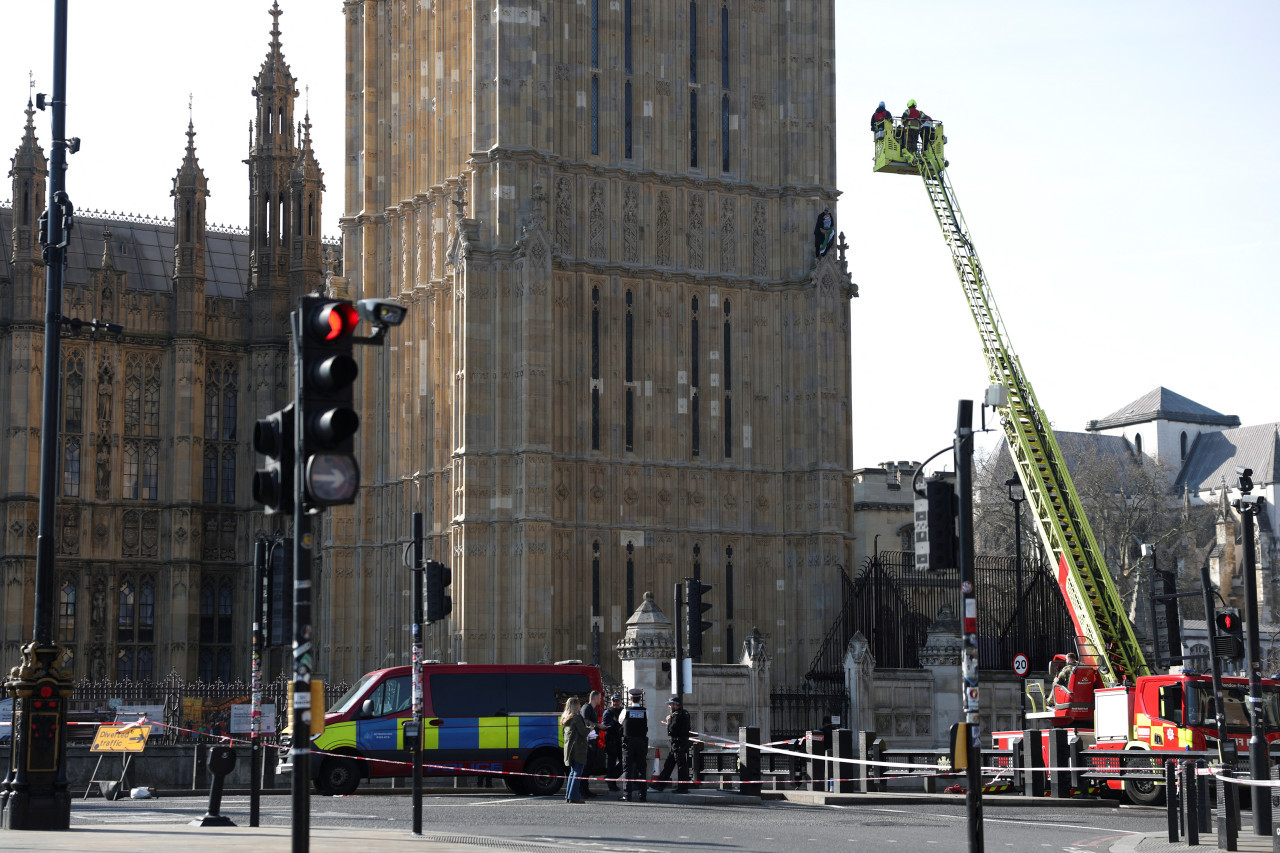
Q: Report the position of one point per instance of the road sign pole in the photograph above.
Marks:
(255, 683)
(302, 637)
(969, 603)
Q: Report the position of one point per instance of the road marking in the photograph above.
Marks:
(986, 819)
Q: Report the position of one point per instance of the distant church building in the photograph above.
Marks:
(155, 520)
(624, 362)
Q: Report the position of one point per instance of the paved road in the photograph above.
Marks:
(606, 825)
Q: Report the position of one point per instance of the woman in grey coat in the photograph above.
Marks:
(575, 747)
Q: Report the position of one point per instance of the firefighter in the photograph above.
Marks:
(911, 118)
(678, 729)
(881, 114)
(635, 747)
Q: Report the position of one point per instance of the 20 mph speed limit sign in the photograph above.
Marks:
(1021, 666)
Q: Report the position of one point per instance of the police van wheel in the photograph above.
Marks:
(545, 775)
(515, 786)
(338, 777)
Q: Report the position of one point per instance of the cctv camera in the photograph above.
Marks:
(382, 312)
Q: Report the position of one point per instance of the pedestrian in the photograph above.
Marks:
(575, 747)
(591, 714)
(911, 118)
(880, 115)
(678, 729)
(612, 721)
(926, 130)
(635, 747)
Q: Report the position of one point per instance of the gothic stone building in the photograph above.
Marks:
(623, 364)
(155, 521)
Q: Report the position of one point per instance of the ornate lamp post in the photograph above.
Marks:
(1016, 497)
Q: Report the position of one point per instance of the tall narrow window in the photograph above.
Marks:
(225, 610)
(595, 33)
(211, 399)
(207, 612)
(132, 401)
(73, 415)
(724, 47)
(127, 616)
(626, 36)
(151, 471)
(693, 128)
(726, 365)
(151, 399)
(595, 114)
(728, 427)
(728, 582)
(724, 134)
(229, 405)
(228, 476)
(695, 422)
(71, 468)
(630, 375)
(67, 612)
(595, 578)
(627, 113)
(693, 42)
(595, 368)
(631, 579)
(210, 475)
(146, 611)
(130, 473)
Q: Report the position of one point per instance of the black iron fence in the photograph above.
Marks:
(191, 711)
(893, 604)
(809, 707)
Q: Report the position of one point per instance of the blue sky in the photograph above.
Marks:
(1116, 164)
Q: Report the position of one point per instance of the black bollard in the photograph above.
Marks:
(199, 773)
(222, 760)
(1191, 798)
(817, 760)
(1171, 797)
(842, 772)
(1202, 796)
(749, 760)
(1228, 811)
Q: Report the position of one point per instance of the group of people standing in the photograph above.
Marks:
(625, 734)
(917, 124)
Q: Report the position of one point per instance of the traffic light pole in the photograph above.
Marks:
(678, 675)
(1226, 746)
(969, 661)
(303, 640)
(1259, 764)
(36, 794)
(255, 680)
(415, 727)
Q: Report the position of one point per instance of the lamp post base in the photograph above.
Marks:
(36, 794)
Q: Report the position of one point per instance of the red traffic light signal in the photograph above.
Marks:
(333, 320)
(1228, 641)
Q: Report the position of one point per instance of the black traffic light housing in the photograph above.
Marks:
(274, 438)
(439, 605)
(694, 589)
(1228, 639)
(331, 475)
(937, 546)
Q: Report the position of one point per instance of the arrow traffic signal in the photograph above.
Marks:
(1228, 640)
(273, 485)
(694, 608)
(439, 605)
(331, 475)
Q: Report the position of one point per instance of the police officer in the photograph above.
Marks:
(612, 722)
(635, 746)
(678, 730)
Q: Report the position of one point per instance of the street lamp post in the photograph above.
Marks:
(1016, 497)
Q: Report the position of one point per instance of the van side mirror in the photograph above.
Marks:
(366, 708)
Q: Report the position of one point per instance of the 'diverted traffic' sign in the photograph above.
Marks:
(126, 738)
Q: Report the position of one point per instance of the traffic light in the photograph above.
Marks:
(937, 546)
(273, 437)
(331, 475)
(439, 605)
(694, 589)
(1228, 640)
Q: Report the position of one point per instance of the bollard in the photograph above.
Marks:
(199, 774)
(222, 760)
(269, 754)
(1171, 797)
(749, 760)
(1059, 756)
(1202, 797)
(1192, 802)
(870, 748)
(1228, 811)
(1033, 780)
(817, 750)
(842, 771)
(1075, 749)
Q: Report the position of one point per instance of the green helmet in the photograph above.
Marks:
(911, 103)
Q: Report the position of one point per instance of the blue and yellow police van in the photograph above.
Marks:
(479, 719)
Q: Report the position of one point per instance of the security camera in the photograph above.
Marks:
(382, 312)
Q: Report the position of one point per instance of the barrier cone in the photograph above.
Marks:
(657, 766)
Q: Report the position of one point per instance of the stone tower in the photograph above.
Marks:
(623, 363)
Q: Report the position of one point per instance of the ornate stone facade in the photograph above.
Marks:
(604, 389)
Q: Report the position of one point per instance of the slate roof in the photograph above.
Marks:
(1213, 457)
(143, 249)
(1163, 404)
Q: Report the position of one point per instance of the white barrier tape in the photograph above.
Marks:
(1236, 780)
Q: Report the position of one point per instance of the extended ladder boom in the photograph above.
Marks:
(1086, 584)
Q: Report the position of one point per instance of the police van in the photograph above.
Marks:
(478, 719)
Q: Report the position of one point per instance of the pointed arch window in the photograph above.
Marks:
(595, 33)
(71, 468)
(127, 615)
(595, 368)
(595, 114)
(1182, 446)
(129, 476)
(695, 423)
(210, 475)
(151, 471)
(151, 399)
(67, 611)
(73, 394)
(212, 396)
(133, 397)
(631, 579)
(147, 611)
(228, 475)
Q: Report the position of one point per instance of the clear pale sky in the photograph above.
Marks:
(1116, 164)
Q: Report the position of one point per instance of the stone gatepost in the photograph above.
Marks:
(648, 643)
(860, 681)
(940, 655)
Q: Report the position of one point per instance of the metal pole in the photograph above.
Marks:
(678, 675)
(1226, 745)
(1017, 582)
(419, 569)
(302, 637)
(36, 793)
(255, 683)
(1259, 765)
(969, 603)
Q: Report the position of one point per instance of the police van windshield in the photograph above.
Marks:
(349, 698)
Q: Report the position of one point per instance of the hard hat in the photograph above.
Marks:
(911, 103)
(882, 105)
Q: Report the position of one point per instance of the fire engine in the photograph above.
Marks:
(1112, 699)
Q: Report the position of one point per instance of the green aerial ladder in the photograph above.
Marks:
(1104, 633)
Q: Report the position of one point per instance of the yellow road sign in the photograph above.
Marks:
(127, 738)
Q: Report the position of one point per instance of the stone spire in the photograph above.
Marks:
(190, 191)
(30, 172)
(306, 189)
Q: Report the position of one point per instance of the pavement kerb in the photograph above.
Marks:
(820, 798)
